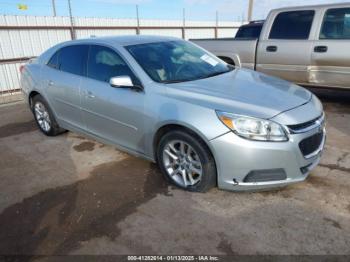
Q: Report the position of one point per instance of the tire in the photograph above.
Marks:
(38, 104)
(197, 153)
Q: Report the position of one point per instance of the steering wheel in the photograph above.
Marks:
(181, 68)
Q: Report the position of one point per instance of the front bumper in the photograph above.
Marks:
(237, 157)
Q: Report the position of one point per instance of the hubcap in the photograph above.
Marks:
(42, 116)
(182, 163)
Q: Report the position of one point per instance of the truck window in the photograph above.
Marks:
(292, 25)
(336, 24)
(249, 32)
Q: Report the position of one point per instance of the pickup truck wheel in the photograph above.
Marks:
(186, 161)
(44, 117)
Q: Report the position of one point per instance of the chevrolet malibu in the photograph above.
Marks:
(203, 121)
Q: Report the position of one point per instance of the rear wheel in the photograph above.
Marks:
(186, 161)
(44, 117)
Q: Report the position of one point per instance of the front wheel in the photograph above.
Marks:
(186, 161)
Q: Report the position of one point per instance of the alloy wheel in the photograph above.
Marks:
(182, 163)
(42, 116)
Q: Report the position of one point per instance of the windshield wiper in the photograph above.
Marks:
(216, 73)
(230, 68)
(173, 81)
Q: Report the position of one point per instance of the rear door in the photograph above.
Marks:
(285, 49)
(63, 76)
(331, 53)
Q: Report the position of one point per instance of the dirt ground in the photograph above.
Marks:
(72, 195)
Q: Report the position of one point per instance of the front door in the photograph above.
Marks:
(286, 51)
(114, 114)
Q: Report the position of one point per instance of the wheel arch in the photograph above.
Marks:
(232, 59)
(168, 127)
(228, 60)
(31, 96)
(34, 93)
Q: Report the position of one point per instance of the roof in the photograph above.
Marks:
(128, 39)
(303, 7)
(254, 23)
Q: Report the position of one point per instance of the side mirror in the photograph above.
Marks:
(125, 82)
(121, 81)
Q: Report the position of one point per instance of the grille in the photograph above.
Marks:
(265, 175)
(311, 144)
(299, 128)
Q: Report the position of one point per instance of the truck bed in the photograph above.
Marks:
(229, 48)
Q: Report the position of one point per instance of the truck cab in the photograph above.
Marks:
(307, 45)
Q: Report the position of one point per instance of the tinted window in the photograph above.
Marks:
(176, 61)
(252, 32)
(72, 59)
(336, 24)
(53, 61)
(292, 25)
(104, 63)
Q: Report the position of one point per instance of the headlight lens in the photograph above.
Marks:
(253, 128)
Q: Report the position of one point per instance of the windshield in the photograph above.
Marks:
(176, 61)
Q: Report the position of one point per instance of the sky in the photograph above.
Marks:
(228, 10)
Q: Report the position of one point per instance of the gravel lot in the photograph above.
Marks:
(72, 195)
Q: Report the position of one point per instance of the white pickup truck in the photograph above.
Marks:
(308, 45)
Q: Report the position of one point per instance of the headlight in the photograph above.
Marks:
(253, 128)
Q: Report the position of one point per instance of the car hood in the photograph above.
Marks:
(242, 91)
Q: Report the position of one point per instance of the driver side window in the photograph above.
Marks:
(104, 63)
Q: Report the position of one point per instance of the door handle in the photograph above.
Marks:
(321, 49)
(271, 48)
(90, 94)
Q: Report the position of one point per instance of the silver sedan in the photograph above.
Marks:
(203, 121)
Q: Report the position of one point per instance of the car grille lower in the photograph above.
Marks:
(265, 175)
(311, 144)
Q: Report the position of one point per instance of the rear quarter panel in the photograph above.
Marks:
(31, 79)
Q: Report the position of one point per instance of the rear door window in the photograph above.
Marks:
(249, 32)
(54, 61)
(336, 24)
(72, 59)
(292, 25)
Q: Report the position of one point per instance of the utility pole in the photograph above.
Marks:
(183, 23)
(138, 20)
(53, 7)
(216, 23)
(250, 10)
(72, 31)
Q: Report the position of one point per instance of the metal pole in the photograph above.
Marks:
(216, 23)
(53, 7)
(183, 23)
(71, 20)
(183, 17)
(250, 10)
(138, 20)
